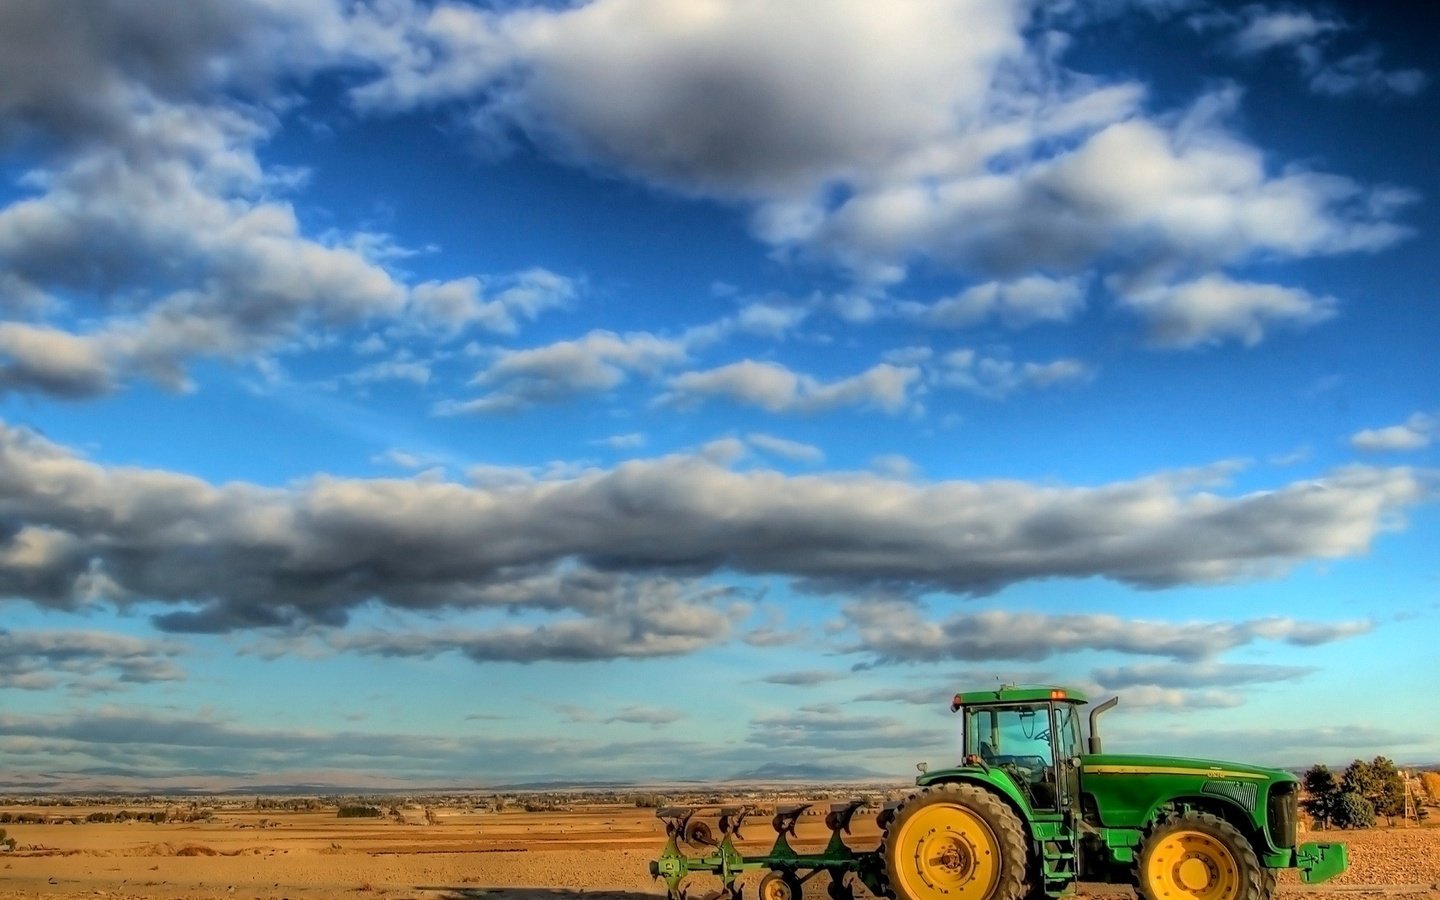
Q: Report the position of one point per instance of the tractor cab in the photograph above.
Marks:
(1030, 734)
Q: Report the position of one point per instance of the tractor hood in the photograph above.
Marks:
(1129, 790)
(1134, 764)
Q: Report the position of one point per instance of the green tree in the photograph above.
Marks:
(1380, 783)
(1353, 811)
(1321, 793)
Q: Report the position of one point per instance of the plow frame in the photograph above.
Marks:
(724, 859)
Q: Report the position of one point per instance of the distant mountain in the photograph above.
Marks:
(807, 772)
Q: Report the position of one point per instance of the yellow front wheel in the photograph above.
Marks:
(955, 842)
(1198, 856)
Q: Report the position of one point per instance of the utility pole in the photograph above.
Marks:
(1410, 811)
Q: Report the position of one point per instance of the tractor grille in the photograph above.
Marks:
(1242, 793)
(1283, 812)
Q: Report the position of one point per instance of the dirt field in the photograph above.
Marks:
(600, 852)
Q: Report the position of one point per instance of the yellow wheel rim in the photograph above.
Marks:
(775, 889)
(1192, 864)
(946, 852)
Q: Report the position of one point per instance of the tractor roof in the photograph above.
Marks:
(1010, 693)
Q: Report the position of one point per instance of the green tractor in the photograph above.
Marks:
(1028, 813)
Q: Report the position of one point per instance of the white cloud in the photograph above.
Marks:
(996, 378)
(460, 302)
(896, 632)
(976, 149)
(774, 388)
(1311, 40)
(148, 233)
(409, 370)
(629, 441)
(804, 677)
(1215, 308)
(785, 448)
(599, 361)
(1415, 433)
(1361, 73)
(238, 555)
(1268, 29)
(1024, 301)
(85, 660)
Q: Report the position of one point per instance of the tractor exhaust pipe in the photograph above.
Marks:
(1095, 725)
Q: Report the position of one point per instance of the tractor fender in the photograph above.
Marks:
(1221, 806)
(993, 780)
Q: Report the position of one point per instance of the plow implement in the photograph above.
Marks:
(693, 845)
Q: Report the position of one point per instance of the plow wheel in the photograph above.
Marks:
(779, 886)
(1198, 856)
(699, 834)
(955, 842)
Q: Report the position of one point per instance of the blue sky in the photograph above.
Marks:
(399, 393)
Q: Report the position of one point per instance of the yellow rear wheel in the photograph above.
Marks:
(955, 842)
(1198, 856)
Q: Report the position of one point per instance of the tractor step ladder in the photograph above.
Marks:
(1059, 866)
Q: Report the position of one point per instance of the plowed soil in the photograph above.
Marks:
(599, 852)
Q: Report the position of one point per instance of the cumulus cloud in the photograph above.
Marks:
(896, 632)
(1415, 433)
(1311, 40)
(1362, 73)
(1214, 308)
(146, 232)
(1268, 29)
(85, 660)
(978, 149)
(997, 378)
(599, 361)
(1018, 303)
(624, 618)
(240, 555)
(461, 302)
(774, 388)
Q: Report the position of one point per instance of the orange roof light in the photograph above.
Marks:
(1057, 695)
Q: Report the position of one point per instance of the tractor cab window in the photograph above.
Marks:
(1067, 725)
(1015, 739)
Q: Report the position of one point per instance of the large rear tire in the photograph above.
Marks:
(955, 842)
(1198, 856)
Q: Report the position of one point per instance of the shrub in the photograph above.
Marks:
(1353, 811)
(358, 812)
(7, 842)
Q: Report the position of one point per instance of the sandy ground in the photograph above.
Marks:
(598, 852)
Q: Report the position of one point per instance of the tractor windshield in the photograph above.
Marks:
(1017, 740)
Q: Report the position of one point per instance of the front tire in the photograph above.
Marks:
(955, 842)
(1198, 856)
